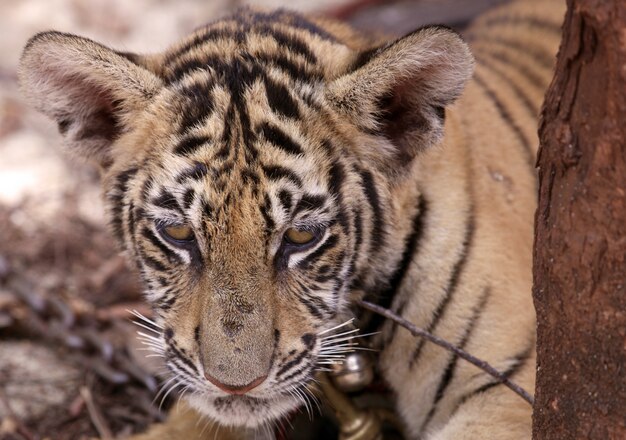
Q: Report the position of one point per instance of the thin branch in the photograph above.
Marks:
(95, 415)
(416, 331)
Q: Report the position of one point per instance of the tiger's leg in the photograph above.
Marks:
(184, 423)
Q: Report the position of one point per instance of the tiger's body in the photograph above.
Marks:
(270, 168)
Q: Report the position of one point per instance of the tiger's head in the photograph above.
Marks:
(253, 172)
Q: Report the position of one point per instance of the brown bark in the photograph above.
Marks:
(580, 242)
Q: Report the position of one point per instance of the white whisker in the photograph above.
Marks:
(336, 327)
(144, 318)
(153, 338)
(163, 388)
(336, 335)
(176, 385)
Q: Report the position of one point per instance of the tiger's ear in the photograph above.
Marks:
(91, 91)
(400, 90)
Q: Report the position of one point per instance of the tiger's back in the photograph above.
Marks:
(472, 271)
(269, 169)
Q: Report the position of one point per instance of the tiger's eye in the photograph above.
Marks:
(297, 236)
(178, 233)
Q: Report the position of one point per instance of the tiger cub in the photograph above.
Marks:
(270, 168)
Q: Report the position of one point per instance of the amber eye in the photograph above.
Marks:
(296, 236)
(178, 233)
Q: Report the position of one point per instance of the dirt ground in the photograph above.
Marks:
(70, 366)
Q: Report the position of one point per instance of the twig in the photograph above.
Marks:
(416, 331)
(95, 415)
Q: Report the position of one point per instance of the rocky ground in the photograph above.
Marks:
(69, 362)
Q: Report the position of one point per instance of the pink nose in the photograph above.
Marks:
(234, 389)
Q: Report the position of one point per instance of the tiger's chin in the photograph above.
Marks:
(247, 411)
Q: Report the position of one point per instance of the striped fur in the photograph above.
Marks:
(261, 122)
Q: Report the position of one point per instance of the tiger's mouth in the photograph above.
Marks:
(243, 410)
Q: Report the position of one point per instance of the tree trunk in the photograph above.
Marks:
(580, 242)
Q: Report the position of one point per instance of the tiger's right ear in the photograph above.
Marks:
(91, 91)
(399, 91)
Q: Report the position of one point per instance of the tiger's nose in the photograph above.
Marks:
(236, 389)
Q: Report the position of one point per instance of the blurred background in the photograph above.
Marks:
(69, 364)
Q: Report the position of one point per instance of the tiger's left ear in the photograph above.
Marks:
(400, 90)
(90, 90)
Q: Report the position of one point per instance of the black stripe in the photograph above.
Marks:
(206, 64)
(544, 58)
(208, 209)
(251, 153)
(290, 42)
(310, 202)
(266, 211)
(151, 262)
(517, 363)
(224, 152)
(197, 106)
(189, 145)
(453, 282)
(166, 303)
(326, 272)
(535, 22)
(298, 21)
(250, 176)
(166, 200)
(286, 200)
(365, 57)
(279, 139)
(448, 374)
(358, 239)
(531, 107)
(539, 81)
(197, 172)
(146, 187)
(198, 40)
(337, 176)
(369, 186)
(295, 71)
(325, 269)
(411, 245)
(308, 339)
(292, 363)
(279, 99)
(184, 68)
(116, 199)
(318, 302)
(335, 183)
(508, 119)
(132, 223)
(116, 222)
(305, 370)
(188, 198)
(183, 358)
(328, 245)
(276, 172)
(121, 181)
(311, 307)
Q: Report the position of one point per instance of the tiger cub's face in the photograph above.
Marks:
(249, 172)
